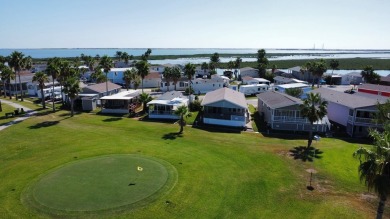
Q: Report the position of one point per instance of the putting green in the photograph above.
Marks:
(102, 183)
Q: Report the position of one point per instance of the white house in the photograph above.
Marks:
(181, 85)
(202, 86)
(353, 111)
(250, 80)
(252, 89)
(225, 107)
(165, 106)
(354, 78)
(285, 80)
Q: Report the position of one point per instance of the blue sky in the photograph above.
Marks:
(338, 24)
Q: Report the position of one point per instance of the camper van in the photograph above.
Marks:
(253, 89)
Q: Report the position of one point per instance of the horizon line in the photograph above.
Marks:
(184, 48)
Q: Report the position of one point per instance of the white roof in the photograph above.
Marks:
(119, 69)
(293, 85)
(260, 79)
(298, 81)
(255, 85)
(125, 95)
(178, 101)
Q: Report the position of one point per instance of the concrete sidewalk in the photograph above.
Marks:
(29, 112)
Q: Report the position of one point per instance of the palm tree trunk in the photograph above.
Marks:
(43, 98)
(181, 124)
(106, 84)
(168, 85)
(9, 89)
(310, 140)
(381, 208)
(21, 87)
(54, 109)
(142, 81)
(71, 107)
(4, 88)
(15, 89)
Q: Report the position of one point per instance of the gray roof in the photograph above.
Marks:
(225, 94)
(170, 95)
(350, 100)
(375, 87)
(100, 88)
(274, 99)
(283, 79)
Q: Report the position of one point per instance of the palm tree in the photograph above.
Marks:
(167, 75)
(262, 62)
(183, 112)
(118, 55)
(374, 168)
(145, 98)
(314, 109)
(136, 81)
(143, 70)
(16, 62)
(237, 65)
(106, 64)
(6, 76)
(334, 64)
(54, 70)
(317, 68)
(146, 55)
(98, 76)
(89, 62)
(125, 56)
(176, 75)
(369, 75)
(127, 77)
(41, 78)
(189, 71)
(204, 67)
(230, 65)
(72, 89)
(214, 61)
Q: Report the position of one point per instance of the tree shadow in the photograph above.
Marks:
(306, 154)
(44, 124)
(172, 136)
(112, 119)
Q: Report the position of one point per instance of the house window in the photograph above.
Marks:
(181, 84)
(213, 85)
(115, 73)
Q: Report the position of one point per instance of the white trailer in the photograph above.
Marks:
(253, 89)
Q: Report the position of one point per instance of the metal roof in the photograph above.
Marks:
(349, 100)
(274, 99)
(225, 94)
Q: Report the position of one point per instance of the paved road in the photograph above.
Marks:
(28, 111)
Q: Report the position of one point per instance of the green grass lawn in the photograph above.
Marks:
(6, 109)
(220, 175)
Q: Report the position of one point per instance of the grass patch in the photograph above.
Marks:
(101, 184)
(234, 175)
